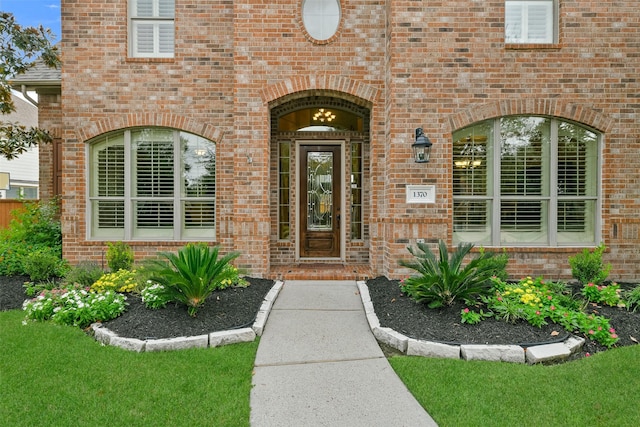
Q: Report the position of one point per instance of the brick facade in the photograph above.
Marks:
(440, 65)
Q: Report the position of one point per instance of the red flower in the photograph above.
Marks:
(466, 310)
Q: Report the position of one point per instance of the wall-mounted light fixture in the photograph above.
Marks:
(422, 147)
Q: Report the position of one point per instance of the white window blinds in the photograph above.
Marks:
(152, 28)
(529, 21)
(153, 183)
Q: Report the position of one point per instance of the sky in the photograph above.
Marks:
(32, 13)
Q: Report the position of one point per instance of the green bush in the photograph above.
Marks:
(192, 274)
(497, 263)
(32, 228)
(76, 307)
(119, 256)
(535, 301)
(605, 294)
(36, 224)
(44, 264)
(587, 267)
(443, 281)
(85, 274)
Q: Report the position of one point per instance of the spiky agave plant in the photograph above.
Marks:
(442, 281)
(192, 274)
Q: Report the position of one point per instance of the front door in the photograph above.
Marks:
(320, 182)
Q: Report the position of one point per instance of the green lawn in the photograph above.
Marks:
(601, 390)
(57, 376)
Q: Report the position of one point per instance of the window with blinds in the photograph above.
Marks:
(538, 186)
(531, 21)
(152, 184)
(108, 186)
(472, 181)
(152, 28)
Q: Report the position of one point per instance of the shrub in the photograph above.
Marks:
(31, 228)
(587, 267)
(497, 263)
(84, 274)
(120, 281)
(443, 281)
(44, 264)
(37, 223)
(605, 294)
(119, 256)
(535, 300)
(74, 306)
(192, 274)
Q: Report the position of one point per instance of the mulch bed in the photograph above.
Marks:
(400, 313)
(237, 307)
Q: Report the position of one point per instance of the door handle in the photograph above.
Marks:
(338, 220)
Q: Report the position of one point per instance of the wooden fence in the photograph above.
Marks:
(6, 207)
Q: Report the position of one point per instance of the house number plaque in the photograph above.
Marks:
(421, 193)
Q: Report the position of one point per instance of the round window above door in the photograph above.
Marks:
(321, 18)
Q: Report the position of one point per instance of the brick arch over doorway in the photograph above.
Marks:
(93, 129)
(556, 108)
(285, 252)
(352, 90)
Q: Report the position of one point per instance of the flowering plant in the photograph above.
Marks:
(119, 281)
(74, 306)
(232, 278)
(605, 294)
(154, 295)
(471, 317)
(535, 301)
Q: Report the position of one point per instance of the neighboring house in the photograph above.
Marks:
(22, 171)
(284, 130)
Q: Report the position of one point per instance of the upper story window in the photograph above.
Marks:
(151, 28)
(526, 180)
(321, 18)
(531, 21)
(152, 184)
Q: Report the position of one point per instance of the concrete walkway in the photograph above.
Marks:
(318, 364)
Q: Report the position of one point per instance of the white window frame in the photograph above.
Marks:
(550, 8)
(492, 233)
(128, 231)
(156, 22)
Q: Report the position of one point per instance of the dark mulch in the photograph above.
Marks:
(227, 309)
(400, 313)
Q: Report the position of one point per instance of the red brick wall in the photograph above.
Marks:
(439, 64)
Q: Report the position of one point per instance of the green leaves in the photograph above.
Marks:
(19, 47)
(192, 274)
(442, 281)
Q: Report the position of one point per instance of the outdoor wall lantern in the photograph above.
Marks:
(422, 147)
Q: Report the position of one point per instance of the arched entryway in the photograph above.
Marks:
(319, 178)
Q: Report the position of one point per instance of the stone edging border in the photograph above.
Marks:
(213, 339)
(504, 353)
